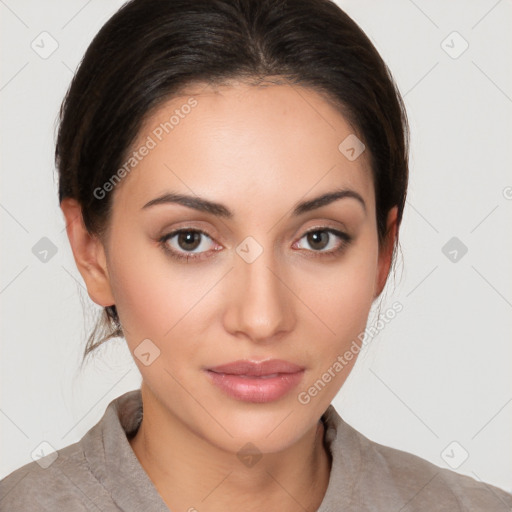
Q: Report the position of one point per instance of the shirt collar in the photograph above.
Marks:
(115, 465)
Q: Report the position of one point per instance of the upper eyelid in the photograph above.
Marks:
(334, 231)
(205, 232)
(174, 232)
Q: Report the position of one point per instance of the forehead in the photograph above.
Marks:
(242, 143)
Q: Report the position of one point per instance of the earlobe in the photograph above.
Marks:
(386, 251)
(89, 254)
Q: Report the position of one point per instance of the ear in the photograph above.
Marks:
(386, 251)
(89, 254)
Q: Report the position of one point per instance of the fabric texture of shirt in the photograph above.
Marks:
(102, 473)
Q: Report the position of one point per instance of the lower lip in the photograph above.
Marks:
(256, 389)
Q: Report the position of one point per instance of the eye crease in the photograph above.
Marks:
(314, 236)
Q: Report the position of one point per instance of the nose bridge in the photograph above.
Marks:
(261, 305)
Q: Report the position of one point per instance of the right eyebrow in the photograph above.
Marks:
(197, 203)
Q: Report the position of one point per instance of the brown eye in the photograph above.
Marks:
(183, 244)
(318, 239)
(189, 240)
(323, 241)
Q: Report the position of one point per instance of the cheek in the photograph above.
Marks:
(142, 289)
(341, 295)
(159, 299)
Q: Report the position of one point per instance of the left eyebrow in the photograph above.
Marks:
(325, 199)
(220, 210)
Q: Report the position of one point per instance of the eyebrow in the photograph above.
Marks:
(218, 209)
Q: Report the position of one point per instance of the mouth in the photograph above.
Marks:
(257, 368)
(256, 381)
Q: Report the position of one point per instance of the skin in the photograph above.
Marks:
(258, 150)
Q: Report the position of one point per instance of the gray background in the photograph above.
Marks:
(435, 382)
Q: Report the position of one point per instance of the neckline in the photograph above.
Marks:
(114, 463)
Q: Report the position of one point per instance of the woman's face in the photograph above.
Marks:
(254, 286)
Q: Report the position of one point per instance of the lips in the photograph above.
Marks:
(267, 368)
(256, 381)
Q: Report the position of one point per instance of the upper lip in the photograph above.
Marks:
(257, 368)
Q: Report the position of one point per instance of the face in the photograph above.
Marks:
(254, 277)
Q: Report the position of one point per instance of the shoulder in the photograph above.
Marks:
(61, 480)
(424, 486)
(387, 478)
(91, 474)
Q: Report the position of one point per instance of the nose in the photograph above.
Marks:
(261, 306)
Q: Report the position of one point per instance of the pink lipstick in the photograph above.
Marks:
(256, 381)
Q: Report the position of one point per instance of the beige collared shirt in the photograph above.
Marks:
(102, 473)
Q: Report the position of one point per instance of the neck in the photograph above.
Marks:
(191, 473)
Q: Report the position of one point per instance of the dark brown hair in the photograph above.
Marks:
(150, 50)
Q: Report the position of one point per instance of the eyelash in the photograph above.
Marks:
(346, 240)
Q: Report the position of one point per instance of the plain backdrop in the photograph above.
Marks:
(435, 382)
